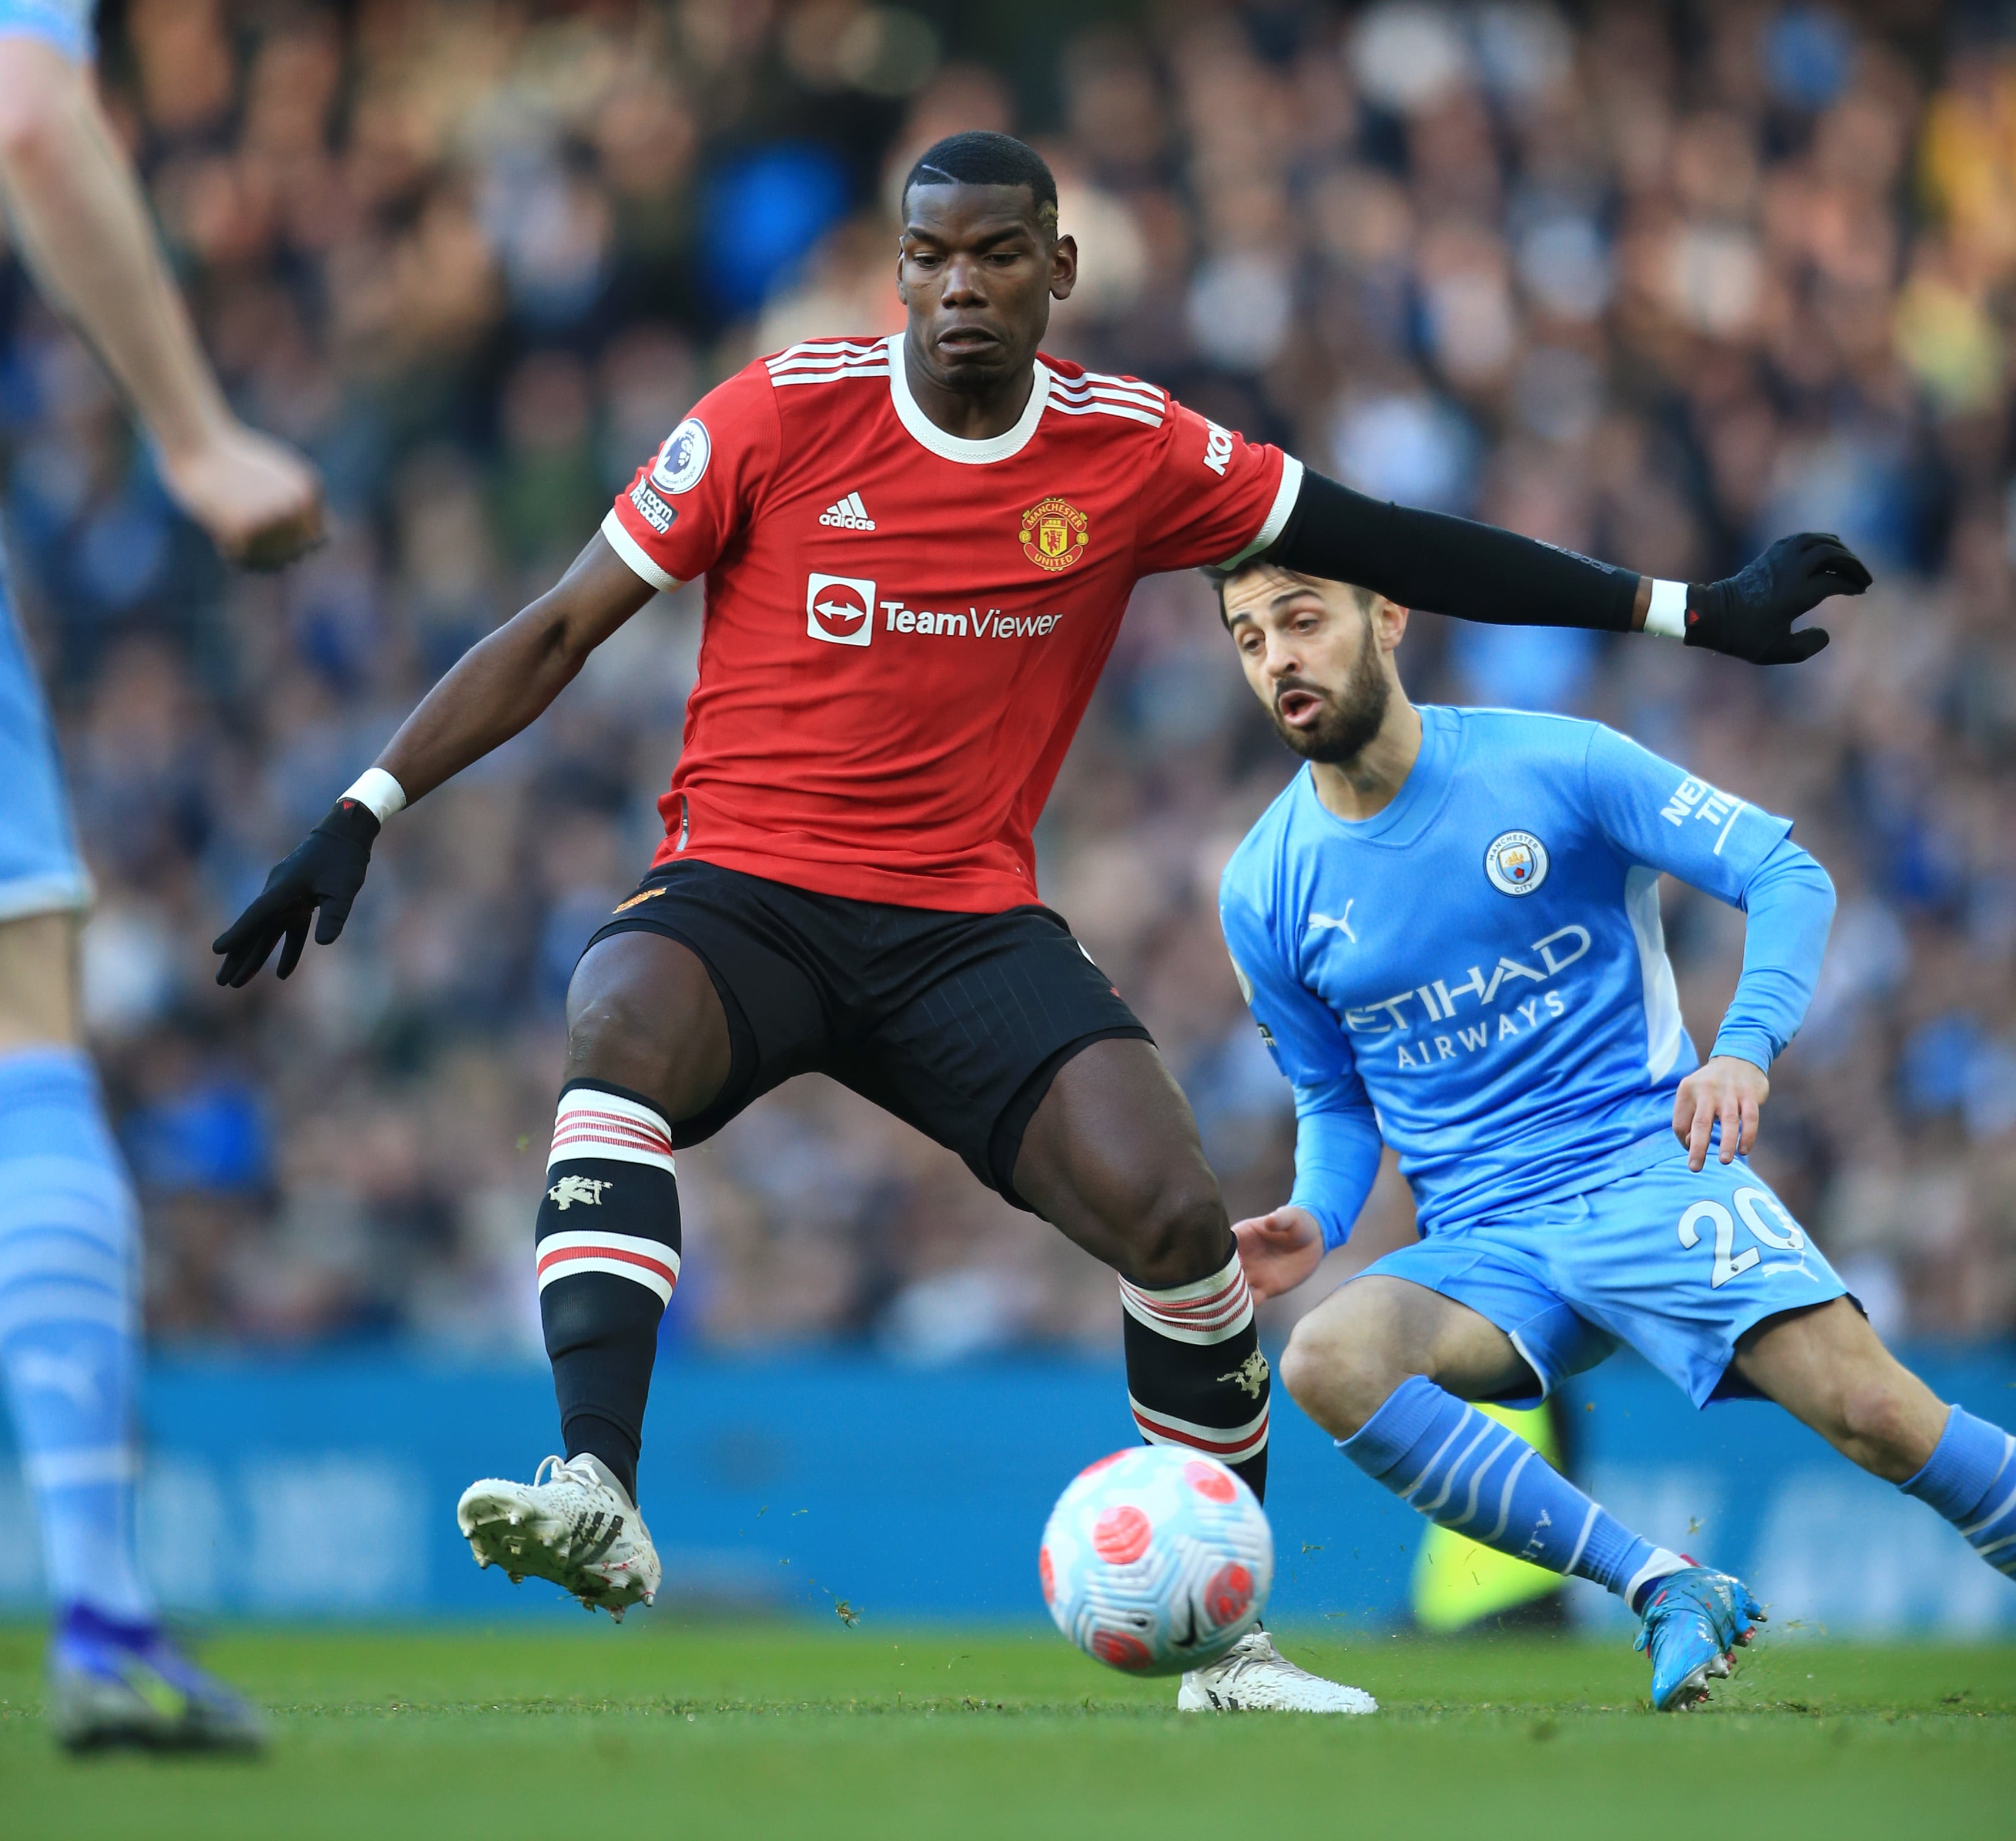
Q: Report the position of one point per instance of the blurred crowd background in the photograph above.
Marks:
(1659, 282)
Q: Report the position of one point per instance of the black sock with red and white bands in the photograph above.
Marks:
(1195, 1374)
(608, 1258)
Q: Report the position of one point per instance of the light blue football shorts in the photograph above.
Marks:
(40, 871)
(1674, 1264)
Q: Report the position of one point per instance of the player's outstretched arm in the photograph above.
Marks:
(1451, 565)
(1788, 904)
(1337, 1133)
(503, 683)
(84, 228)
(497, 687)
(1655, 813)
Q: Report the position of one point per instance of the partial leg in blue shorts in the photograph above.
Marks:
(1706, 1275)
(69, 1260)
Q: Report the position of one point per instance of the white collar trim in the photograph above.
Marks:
(928, 433)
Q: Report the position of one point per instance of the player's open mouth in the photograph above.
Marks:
(967, 339)
(1298, 709)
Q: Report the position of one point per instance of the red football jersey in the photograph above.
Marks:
(903, 628)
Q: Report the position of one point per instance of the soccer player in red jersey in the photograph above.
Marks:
(917, 551)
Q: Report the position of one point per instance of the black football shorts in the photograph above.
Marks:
(956, 1023)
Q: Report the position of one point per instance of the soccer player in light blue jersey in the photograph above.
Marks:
(1448, 930)
(69, 1229)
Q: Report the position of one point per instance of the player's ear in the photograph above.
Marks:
(1063, 268)
(1389, 621)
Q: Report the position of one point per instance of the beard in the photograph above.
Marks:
(1351, 718)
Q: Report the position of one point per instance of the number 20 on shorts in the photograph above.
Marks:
(1751, 1204)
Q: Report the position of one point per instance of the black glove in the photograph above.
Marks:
(1750, 614)
(324, 872)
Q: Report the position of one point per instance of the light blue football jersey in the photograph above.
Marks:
(1480, 969)
(66, 23)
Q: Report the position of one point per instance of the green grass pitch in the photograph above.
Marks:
(773, 1729)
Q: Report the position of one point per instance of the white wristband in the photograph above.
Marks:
(1667, 617)
(378, 793)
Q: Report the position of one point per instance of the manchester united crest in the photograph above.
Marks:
(1054, 535)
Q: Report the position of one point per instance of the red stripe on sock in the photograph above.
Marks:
(1196, 1307)
(578, 1122)
(1218, 1320)
(1168, 1434)
(615, 1122)
(563, 1254)
(566, 1141)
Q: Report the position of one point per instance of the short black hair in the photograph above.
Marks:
(980, 157)
(1221, 575)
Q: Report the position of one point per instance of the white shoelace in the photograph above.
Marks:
(565, 1470)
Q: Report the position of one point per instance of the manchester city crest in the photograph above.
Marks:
(1516, 863)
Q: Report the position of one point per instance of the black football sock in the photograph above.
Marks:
(608, 1258)
(1195, 1374)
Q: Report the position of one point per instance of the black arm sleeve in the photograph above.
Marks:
(1447, 565)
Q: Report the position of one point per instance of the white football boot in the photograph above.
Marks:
(1253, 1676)
(573, 1524)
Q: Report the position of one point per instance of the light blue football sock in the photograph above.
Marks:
(1464, 1470)
(70, 1326)
(1970, 1479)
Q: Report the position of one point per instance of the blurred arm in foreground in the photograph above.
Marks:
(76, 210)
(68, 1299)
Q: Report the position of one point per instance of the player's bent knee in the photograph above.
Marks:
(612, 1030)
(1180, 1235)
(643, 1013)
(1304, 1370)
(1338, 1380)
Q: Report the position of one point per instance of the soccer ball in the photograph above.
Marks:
(1156, 1560)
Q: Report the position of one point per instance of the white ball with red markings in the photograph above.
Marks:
(1156, 1560)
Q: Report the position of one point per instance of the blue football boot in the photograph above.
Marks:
(114, 1683)
(1695, 1621)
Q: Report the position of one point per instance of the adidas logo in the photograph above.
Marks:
(848, 514)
